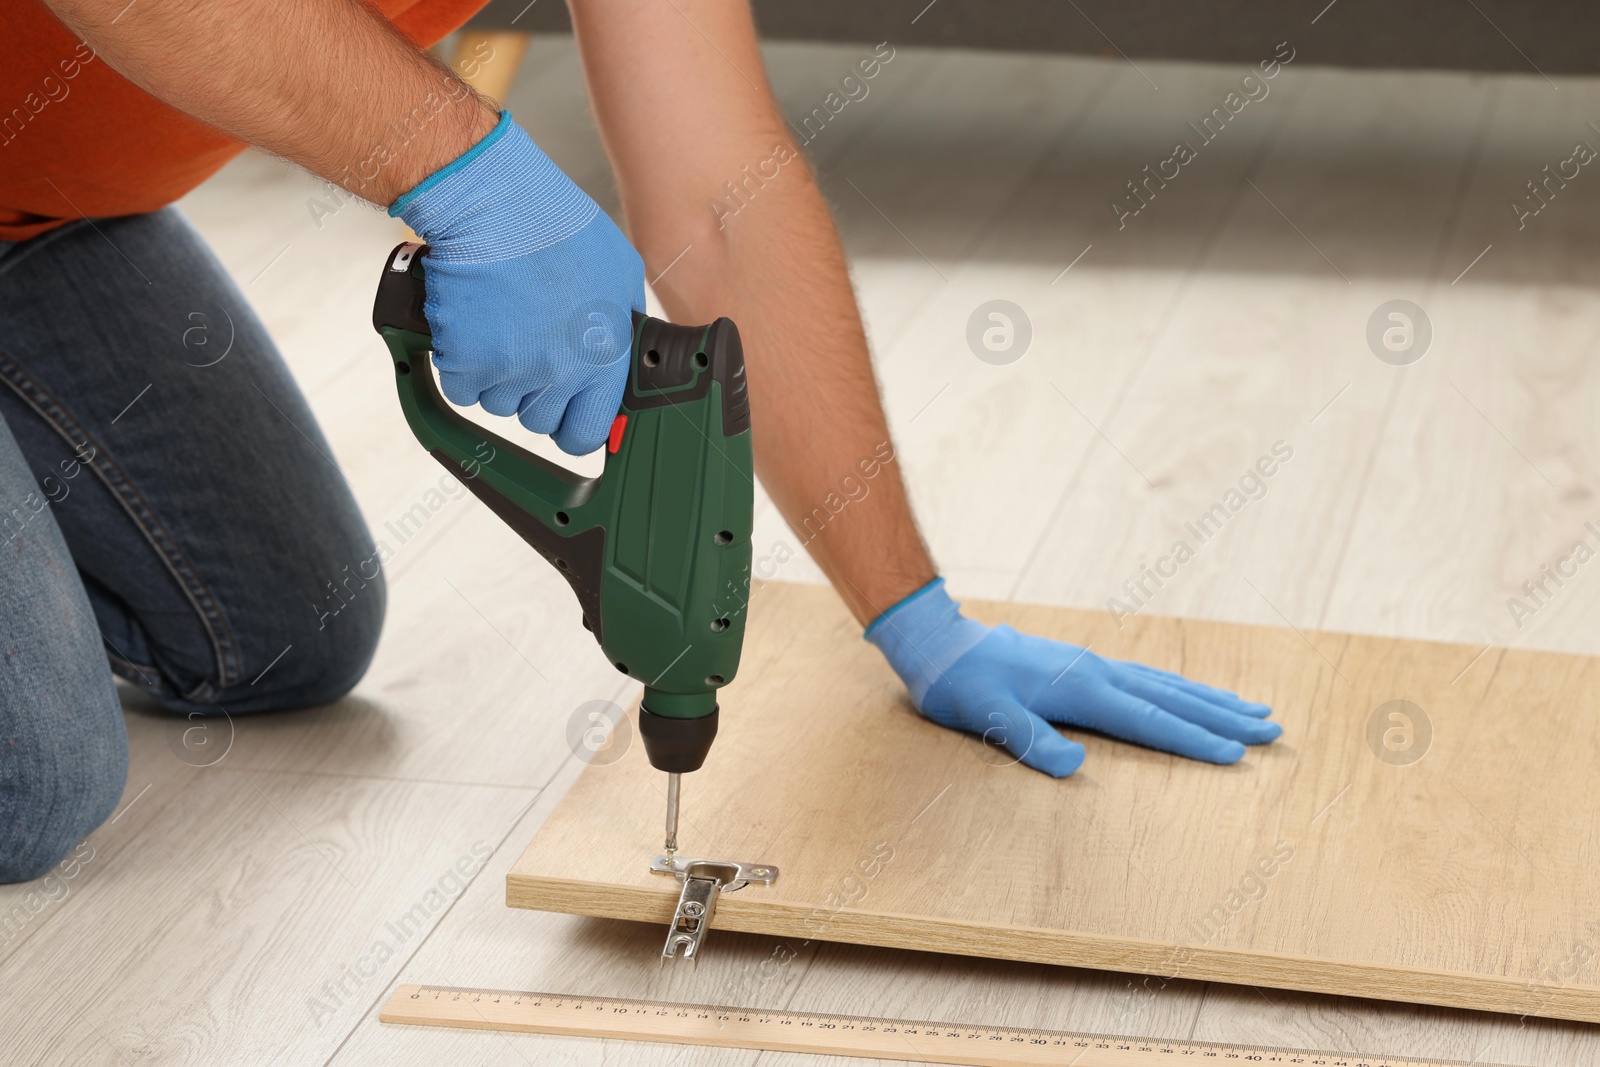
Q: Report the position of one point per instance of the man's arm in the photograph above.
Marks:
(683, 106)
(530, 284)
(328, 84)
(521, 258)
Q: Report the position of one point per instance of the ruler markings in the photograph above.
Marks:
(827, 1034)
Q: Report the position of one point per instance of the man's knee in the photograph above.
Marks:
(345, 640)
(336, 646)
(61, 775)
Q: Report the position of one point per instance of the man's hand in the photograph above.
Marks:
(531, 289)
(1010, 687)
(530, 285)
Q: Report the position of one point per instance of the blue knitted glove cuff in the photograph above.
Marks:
(923, 636)
(503, 198)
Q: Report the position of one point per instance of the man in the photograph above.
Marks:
(174, 509)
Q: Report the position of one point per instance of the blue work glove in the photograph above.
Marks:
(1009, 687)
(531, 289)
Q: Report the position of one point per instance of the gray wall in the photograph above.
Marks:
(1552, 36)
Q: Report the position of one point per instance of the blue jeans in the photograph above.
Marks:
(169, 514)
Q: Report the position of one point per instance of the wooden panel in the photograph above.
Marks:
(1459, 879)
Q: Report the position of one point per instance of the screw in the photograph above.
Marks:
(694, 909)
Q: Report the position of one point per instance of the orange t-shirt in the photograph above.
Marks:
(79, 140)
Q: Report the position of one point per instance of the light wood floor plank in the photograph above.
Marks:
(1268, 351)
(253, 916)
(1020, 432)
(1490, 463)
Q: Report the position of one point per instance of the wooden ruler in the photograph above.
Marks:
(830, 1035)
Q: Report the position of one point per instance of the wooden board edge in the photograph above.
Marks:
(573, 897)
(749, 914)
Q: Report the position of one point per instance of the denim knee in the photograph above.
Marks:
(62, 773)
(345, 639)
(334, 648)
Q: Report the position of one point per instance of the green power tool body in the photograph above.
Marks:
(657, 547)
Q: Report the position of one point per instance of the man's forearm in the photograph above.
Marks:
(822, 445)
(327, 84)
(683, 107)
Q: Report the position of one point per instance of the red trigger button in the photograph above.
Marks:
(614, 442)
